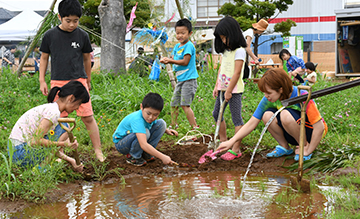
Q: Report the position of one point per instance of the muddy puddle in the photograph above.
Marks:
(190, 195)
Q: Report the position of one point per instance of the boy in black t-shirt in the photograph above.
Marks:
(70, 47)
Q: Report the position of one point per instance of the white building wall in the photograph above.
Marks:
(310, 9)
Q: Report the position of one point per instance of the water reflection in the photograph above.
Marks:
(203, 195)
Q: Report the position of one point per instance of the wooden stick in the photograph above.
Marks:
(70, 134)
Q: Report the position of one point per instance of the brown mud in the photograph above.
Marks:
(187, 156)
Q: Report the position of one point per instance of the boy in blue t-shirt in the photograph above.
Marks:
(139, 133)
(184, 60)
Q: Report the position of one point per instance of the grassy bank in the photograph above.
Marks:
(115, 97)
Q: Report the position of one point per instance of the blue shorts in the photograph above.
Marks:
(26, 156)
(297, 116)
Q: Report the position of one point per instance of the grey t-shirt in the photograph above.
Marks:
(66, 50)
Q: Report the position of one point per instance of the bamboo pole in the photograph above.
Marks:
(33, 43)
(168, 67)
(179, 8)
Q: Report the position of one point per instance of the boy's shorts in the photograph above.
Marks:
(184, 93)
(85, 109)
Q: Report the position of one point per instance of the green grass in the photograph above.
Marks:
(115, 97)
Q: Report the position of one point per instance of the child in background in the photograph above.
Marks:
(257, 28)
(70, 48)
(285, 128)
(311, 74)
(38, 128)
(139, 132)
(295, 66)
(9, 57)
(184, 60)
(230, 41)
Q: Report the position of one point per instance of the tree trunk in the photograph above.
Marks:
(113, 30)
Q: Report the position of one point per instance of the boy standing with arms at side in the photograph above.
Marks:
(184, 60)
(139, 133)
(70, 49)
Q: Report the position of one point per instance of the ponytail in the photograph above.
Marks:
(71, 88)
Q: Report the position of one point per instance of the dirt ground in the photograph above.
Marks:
(186, 156)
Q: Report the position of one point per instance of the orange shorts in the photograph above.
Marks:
(85, 109)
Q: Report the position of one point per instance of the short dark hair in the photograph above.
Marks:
(140, 50)
(70, 7)
(229, 28)
(12, 47)
(310, 66)
(153, 100)
(75, 88)
(282, 52)
(184, 23)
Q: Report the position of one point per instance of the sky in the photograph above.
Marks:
(20, 5)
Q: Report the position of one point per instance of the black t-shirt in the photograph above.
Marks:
(66, 50)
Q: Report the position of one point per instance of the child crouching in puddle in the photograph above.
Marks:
(285, 128)
(139, 133)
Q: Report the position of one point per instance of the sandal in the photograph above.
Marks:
(210, 154)
(296, 158)
(279, 152)
(230, 155)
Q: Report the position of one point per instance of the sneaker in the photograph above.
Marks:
(175, 127)
(195, 127)
(148, 157)
(136, 162)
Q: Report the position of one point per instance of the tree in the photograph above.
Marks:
(247, 12)
(91, 18)
(113, 27)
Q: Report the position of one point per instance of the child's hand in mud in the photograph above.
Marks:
(224, 146)
(166, 160)
(78, 168)
(171, 132)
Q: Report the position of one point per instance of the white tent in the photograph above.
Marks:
(21, 26)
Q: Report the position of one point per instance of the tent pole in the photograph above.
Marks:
(33, 43)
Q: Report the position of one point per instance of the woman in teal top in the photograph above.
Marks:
(285, 128)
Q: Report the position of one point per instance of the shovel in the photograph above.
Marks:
(71, 136)
(298, 182)
(216, 143)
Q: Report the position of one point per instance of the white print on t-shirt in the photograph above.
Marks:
(178, 73)
(75, 45)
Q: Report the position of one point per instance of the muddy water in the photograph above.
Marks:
(203, 195)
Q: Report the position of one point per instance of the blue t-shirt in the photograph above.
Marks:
(184, 73)
(265, 104)
(132, 123)
(294, 62)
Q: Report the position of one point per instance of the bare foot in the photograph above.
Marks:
(100, 156)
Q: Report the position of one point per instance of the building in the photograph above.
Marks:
(315, 19)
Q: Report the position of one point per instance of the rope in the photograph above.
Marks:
(187, 137)
(108, 41)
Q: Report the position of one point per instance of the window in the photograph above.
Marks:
(209, 8)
